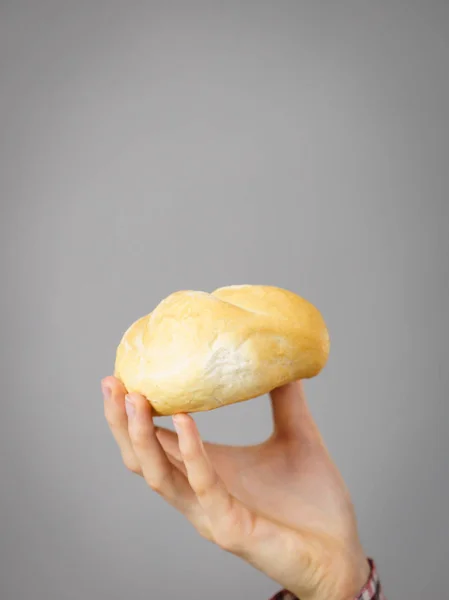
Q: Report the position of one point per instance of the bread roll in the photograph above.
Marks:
(198, 351)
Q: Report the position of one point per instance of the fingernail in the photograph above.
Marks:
(176, 423)
(129, 407)
(106, 391)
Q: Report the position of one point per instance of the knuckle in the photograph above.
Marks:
(226, 540)
(226, 535)
(205, 532)
(234, 530)
(158, 482)
(206, 487)
(200, 522)
(111, 420)
(139, 437)
(202, 492)
(190, 455)
(132, 465)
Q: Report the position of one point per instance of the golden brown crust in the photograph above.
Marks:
(198, 351)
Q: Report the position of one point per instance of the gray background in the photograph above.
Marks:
(152, 146)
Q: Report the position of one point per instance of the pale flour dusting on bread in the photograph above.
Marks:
(228, 367)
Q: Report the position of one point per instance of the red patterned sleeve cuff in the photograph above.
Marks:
(372, 590)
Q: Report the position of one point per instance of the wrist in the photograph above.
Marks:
(361, 576)
(346, 583)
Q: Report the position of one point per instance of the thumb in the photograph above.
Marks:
(291, 414)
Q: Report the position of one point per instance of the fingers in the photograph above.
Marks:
(202, 476)
(158, 471)
(291, 415)
(231, 523)
(169, 442)
(179, 469)
(131, 423)
(114, 410)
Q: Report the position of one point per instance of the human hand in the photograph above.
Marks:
(281, 505)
